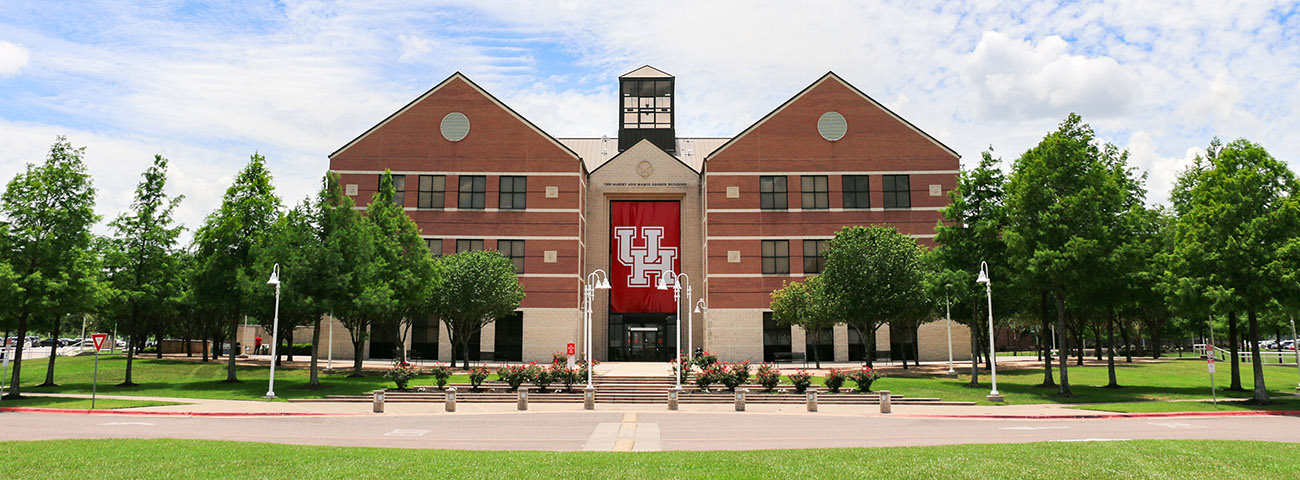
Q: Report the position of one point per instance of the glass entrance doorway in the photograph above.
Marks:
(641, 337)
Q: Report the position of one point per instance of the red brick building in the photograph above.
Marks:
(737, 215)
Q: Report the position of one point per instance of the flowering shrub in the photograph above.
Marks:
(768, 376)
(729, 375)
(582, 367)
(513, 375)
(864, 377)
(685, 371)
(835, 379)
(558, 358)
(568, 376)
(401, 373)
(706, 377)
(705, 360)
(477, 375)
(801, 380)
(741, 370)
(541, 376)
(441, 372)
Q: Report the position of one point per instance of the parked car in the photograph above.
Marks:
(48, 342)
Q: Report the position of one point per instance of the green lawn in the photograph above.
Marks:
(81, 403)
(130, 458)
(1168, 380)
(1225, 405)
(187, 379)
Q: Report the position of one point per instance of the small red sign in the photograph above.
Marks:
(571, 350)
(99, 340)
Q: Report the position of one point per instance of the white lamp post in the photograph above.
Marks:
(275, 328)
(597, 279)
(994, 396)
(677, 280)
(947, 315)
(700, 307)
(1296, 347)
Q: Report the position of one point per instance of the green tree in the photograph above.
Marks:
(49, 210)
(1060, 198)
(347, 276)
(141, 263)
(970, 233)
(804, 304)
(410, 271)
(874, 275)
(292, 243)
(1243, 213)
(478, 288)
(224, 276)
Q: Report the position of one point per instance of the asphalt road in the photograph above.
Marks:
(638, 431)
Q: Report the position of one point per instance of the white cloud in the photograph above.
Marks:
(13, 58)
(1161, 170)
(1018, 80)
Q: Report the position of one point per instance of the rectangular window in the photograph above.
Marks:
(463, 246)
(776, 256)
(776, 338)
(772, 193)
(399, 189)
(815, 193)
(473, 189)
(435, 246)
(856, 192)
(897, 192)
(514, 250)
(513, 193)
(820, 345)
(433, 191)
(508, 343)
(814, 255)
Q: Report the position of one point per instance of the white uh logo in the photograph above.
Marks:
(644, 259)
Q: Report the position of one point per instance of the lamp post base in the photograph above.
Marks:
(952, 373)
(995, 397)
(269, 395)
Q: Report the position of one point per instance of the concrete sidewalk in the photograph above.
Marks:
(253, 407)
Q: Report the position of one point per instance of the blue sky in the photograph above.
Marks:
(208, 83)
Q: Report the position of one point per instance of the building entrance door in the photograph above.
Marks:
(640, 337)
(645, 343)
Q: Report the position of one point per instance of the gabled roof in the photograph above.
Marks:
(477, 88)
(809, 88)
(597, 151)
(649, 145)
(646, 71)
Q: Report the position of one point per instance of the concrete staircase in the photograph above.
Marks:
(633, 390)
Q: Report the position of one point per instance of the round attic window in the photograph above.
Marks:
(455, 126)
(832, 126)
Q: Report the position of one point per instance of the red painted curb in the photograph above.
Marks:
(1247, 413)
(185, 414)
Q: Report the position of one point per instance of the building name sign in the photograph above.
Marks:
(646, 184)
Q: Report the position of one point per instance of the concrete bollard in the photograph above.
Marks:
(740, 399)
(812, 400)
(885, 404)
(673, 394)
(589, 398)
(379, 401)
(523, 398)
(451, 399)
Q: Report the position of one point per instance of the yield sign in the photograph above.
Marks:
(99, 340)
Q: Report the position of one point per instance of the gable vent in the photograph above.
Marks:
(455, 126)
(832, 126)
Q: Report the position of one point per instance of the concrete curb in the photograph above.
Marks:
(1087, 416)
(174, 414)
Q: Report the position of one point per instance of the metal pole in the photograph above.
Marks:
(689, 306)
(275, 342)
(94, 384)
(677, 297)
(330, 365)
(947, 315)
(1210, 351)
(993, 358)
(588, 294)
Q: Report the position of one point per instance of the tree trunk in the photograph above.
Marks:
(817, 342)
(314, 382)
(1079, 336)
(1096, 339)
(189, 346)
(1064, 346)
(130, 359)
(871, 347)
(356, 358)
(974, 357)
(1257, 364)
(1046, 318)
(158, 338)
(54, 353)
(230, 356)
(1128, 346)
(287, 335)
(1110, 348)
(205, 351)
(1154, 333)
(1234, 344)
(15, 380)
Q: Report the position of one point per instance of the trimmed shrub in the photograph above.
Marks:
(729, 375)
(477, 375)
(707, 377)
(513, 375)
(768, 376)
(705, 360)
(568, 376)
(541, 376)
(441, 372)
(741, 370)
(401, 374)
(801, 380)
(864, 377)
(835, 379)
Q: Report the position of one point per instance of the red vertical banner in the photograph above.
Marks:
(645, 241)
